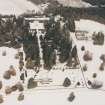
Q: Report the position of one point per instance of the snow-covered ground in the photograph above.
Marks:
(96, 50)
(16, 6)
(45, 90)
(6, 62)
(53, 93)
(58, 97)
(75, 3)
(89, 25)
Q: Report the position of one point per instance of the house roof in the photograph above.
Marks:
(36, 25)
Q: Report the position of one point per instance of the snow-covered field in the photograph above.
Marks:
(58, 97)
(6, 62)
(16, 6)
(96, 50)
(53, 93)
(74, 3)
(89, 25)
(44, 90)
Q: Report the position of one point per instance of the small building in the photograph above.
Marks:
(37, 24)
(81, 34)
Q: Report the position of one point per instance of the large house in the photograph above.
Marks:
(37, 24)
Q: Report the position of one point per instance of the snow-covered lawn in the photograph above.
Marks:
(59, 76)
